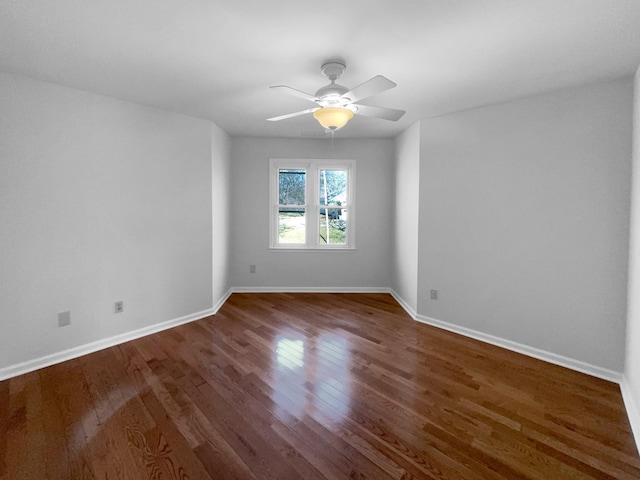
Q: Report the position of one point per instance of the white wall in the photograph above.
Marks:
(221, 215)
(631, 382)
(524, 214)
(368, 267)
(406, 220)
(100, 200)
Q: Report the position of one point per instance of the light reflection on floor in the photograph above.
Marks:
(290, 353)
(320, 366)
(334, 389)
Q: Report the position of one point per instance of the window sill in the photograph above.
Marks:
(314, 250)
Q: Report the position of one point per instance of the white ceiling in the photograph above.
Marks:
(215, 59)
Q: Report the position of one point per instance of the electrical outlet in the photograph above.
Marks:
(252, 269)
(64, 319)
(434, 294)
(118, 307)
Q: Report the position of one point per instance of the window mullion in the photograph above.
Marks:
(312, 202)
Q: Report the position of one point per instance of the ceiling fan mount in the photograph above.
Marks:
(332, 94)
(333, 70)
(337, 104)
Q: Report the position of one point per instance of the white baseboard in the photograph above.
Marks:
(550, 357)
(544, 355)
(633, 410)
(404, 305)
(310, 290)
(220, 302)
(75, 352)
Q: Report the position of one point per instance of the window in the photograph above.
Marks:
(312, 204)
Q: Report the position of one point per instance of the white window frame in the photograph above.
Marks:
(312, 206)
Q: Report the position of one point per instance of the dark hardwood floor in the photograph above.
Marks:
(311, 386)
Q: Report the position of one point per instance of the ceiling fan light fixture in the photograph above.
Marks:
(335, 104)
(333, 118)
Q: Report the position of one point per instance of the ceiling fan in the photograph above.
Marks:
(336, 104)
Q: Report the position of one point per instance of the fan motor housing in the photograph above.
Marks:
(333, 91)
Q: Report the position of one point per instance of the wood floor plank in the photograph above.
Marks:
(339, 454)
(311, 386)
(4, 427)
(27, 427)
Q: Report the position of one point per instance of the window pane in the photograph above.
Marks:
(333, 187)
(291, 185)
(333, 226)
(291, 225)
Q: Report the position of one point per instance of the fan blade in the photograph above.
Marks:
(296, 93)
(380, 112)
(289, 115)
(372, 86)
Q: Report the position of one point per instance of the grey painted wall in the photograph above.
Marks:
(221, 212)
(406, 220)
(632, 360)
(524, 214)
(369, 266)
(100, 200)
